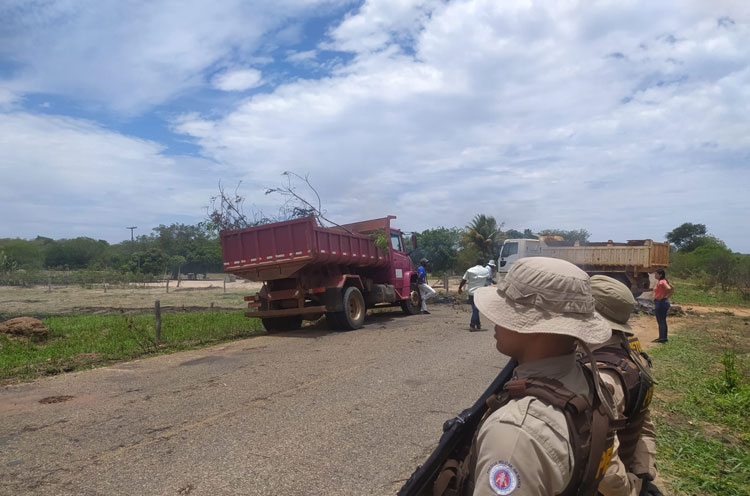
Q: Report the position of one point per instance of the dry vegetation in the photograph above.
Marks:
(40, 301)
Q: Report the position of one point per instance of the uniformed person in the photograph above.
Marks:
(527, 446)
(627, 375)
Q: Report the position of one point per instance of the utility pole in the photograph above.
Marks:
(131, 232)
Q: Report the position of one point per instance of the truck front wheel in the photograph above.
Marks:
(411, 305)
(353, 316)
(281, 324)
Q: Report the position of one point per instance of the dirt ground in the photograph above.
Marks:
(38, 300)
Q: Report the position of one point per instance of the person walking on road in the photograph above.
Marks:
(662, 292)
(626, 372)
(476, 277)
(425, 291)
(547, 432)
(492, 267)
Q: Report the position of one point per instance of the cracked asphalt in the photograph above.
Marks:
(308, 412)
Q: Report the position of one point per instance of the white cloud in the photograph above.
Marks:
(8, 99)
(624, 118)
(65, 177)
(381, 23)
(128, 56)
(304, 56)
(237, 80)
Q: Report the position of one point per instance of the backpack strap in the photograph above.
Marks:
(588, 426)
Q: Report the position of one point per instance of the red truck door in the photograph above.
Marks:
(401, 266)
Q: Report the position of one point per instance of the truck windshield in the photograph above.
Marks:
(509, 249)
(396, 241)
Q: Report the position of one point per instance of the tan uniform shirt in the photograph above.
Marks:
(620, 480)
(524, 447)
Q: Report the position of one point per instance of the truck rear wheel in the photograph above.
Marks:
(411, 305)
(353, 316)
(281, 324)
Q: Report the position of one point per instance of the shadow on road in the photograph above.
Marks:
(319, 328)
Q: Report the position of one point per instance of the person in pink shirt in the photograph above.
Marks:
(662, 291)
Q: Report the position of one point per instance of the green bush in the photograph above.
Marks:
(84, 277)
(713, 266)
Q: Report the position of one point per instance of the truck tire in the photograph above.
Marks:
(281, 324)
(411, 305)
(353, 316)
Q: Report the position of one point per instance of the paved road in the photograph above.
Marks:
(309, 412)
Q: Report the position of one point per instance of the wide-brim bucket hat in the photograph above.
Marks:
(544, 295)
(613, 301)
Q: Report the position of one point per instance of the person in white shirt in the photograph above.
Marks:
(492, 267)
(476, 277)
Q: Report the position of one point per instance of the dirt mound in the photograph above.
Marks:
(24, 326)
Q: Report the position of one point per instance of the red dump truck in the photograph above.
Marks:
(308, 271)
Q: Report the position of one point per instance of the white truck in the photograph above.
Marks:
(630, 262)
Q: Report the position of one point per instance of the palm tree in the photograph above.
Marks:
(484, 234)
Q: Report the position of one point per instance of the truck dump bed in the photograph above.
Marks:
(278, 250)
(636, 255)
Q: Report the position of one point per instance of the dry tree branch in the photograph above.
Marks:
(229, 213)
(289, 192)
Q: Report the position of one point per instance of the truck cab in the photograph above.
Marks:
(513, 249)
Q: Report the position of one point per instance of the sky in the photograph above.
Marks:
(625, 118)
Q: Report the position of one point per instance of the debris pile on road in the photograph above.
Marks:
(645, 305)
(446, 299)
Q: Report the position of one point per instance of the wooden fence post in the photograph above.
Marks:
(157, 311)
(225, 284)
(446, 283)
(104, 285)
(167, 285)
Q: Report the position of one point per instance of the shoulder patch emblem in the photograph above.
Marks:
(503, 478)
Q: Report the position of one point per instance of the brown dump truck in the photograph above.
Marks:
(630, 262)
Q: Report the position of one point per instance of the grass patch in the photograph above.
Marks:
(687, 292)
(84, 341)
(696, 464)
(702, 404)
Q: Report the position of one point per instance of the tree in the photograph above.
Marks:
(152, 261)
(175, 263)
(467, 257)
(439, 246)
(484, 234)
(515, 234)
(77, 253)
(197, 244)
(688, 236)
(7, 264)
(25, 254)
